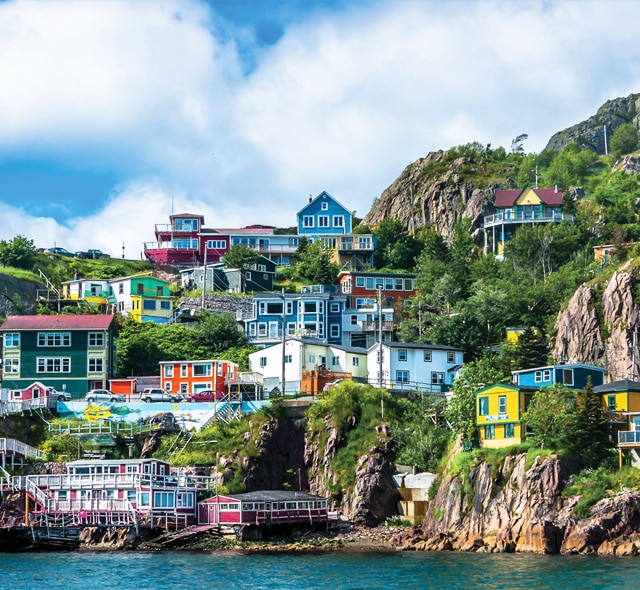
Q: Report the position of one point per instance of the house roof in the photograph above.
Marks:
(323, 194)
(507, 197)
(526, 388)
(57, 322)
(366, 273)
(269, 495)
(559, 366)
(622, 385)
(417, 346)
(315, 342)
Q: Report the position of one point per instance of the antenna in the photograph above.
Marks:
(633, 354)
(563, 354)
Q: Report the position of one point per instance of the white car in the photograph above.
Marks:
(103, 395)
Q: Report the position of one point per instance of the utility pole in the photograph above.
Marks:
(380, 337)
(204, 276)
(284, 342)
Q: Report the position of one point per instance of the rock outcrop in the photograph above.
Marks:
(435, 199)
(590, 134)
(597, 326)
(515, 509)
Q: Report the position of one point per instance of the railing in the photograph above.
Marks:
(629, 437)
(17, 407)
(245, 378)
(15, 447)
(374, 325)
(102, 426)
(526, 216)
(360, 245)
(420, 386)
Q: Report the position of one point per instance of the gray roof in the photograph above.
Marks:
(622, 385)
(273, 496)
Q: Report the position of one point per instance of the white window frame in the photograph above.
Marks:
(338, 221)
(308, 221)
(323, 221)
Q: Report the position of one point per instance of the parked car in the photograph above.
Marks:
(156, 394)
(61, 396)
(207, 395)
(92, 253)
(60, 251)
(103, 395)
(331, 384)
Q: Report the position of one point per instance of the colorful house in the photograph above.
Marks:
(73, 353)
(193, 376)
(516, 207)
(94, 292)
(324, 215)
(144, 297)
(621, 399)
(500, 408)
(499, 412)
(423, 367)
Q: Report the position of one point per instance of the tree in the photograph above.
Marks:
(20, 252)
(624, 140)
(217, 332)
(590, 429)
(461, 411)
(395, 248)
(314, 265)
(550, 415)
(462, 253)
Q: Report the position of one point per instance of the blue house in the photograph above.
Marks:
(571, 375)
(324, 216)
(315, 313)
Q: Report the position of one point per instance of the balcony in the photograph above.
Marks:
(629, 438)
(375, 325)
(526, 217)
(355, 244)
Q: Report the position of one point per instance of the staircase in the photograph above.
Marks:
(180, 443)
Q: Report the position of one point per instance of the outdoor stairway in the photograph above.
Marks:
(169, 539)
(180, 443)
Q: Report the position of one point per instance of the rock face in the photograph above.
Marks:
(18, 297)
(590, 134)
(598, 324)
(522, 510)
(437, 199)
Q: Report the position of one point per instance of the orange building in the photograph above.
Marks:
(192, 376)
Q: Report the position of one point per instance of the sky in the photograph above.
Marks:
(116, 113)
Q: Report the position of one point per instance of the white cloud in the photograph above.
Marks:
(343, 102)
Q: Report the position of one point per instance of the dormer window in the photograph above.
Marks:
(325, 206)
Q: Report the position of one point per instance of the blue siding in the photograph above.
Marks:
(324, 216)
(555, 374)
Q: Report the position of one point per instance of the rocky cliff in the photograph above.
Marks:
(598, 324)
(515, 509)
(18, 297)
(590, 134)
(433, 195)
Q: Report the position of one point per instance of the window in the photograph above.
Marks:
(96, 338)
(54, 339)
(121, 288)
(546, 375)
(168, 371)
(149, 304)
(323, 221)
(54, 365)
(307, 221)
(165, 305)
(334, 330)
(338, 221)
(402, 376)
(567, 376)
(324, 206)
(185, 500)
(437, 378)
(131, 496)
(427, 356)
(402, 355)
(335, 361)
(288, 358)
(184, 388)
(611, 403)
(263, 361)
(312, 358)
(12, 340)
(11, 366)
(451, 357)
(483, 406)
(359, 281)
(509, 430)
(355, 361)
(537, 377)
(202, 369)
(216, 244)
(502, 404)
(334, 307)
(489, 432)
(310, 307)
(96, 365)
(163, 499)
(354, 320)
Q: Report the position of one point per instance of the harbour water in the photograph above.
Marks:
(326, 570)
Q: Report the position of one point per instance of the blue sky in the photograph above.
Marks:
(113, 113)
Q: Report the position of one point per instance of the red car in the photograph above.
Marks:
(208, 395)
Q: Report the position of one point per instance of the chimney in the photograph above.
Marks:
(556, 189)
(310, 199)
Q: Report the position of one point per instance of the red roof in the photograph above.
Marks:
(57, 322)
(549, 196)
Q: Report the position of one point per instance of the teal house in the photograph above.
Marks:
(73, 353)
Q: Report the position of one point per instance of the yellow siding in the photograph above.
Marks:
(528, 197)
(634, 401)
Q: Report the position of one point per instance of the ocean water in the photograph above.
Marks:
(338, 570)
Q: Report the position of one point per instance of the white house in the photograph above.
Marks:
(425, 367)
(306, 355)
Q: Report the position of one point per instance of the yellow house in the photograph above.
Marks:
(622, 400)
(499, 412)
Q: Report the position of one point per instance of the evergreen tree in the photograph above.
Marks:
(590, 429)
(550, 416)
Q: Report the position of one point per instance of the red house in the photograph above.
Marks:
(262, 509)
(362, 288)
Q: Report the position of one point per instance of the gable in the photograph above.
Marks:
(528, 197)
(315, 205)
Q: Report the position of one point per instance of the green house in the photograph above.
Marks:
(73, 353)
